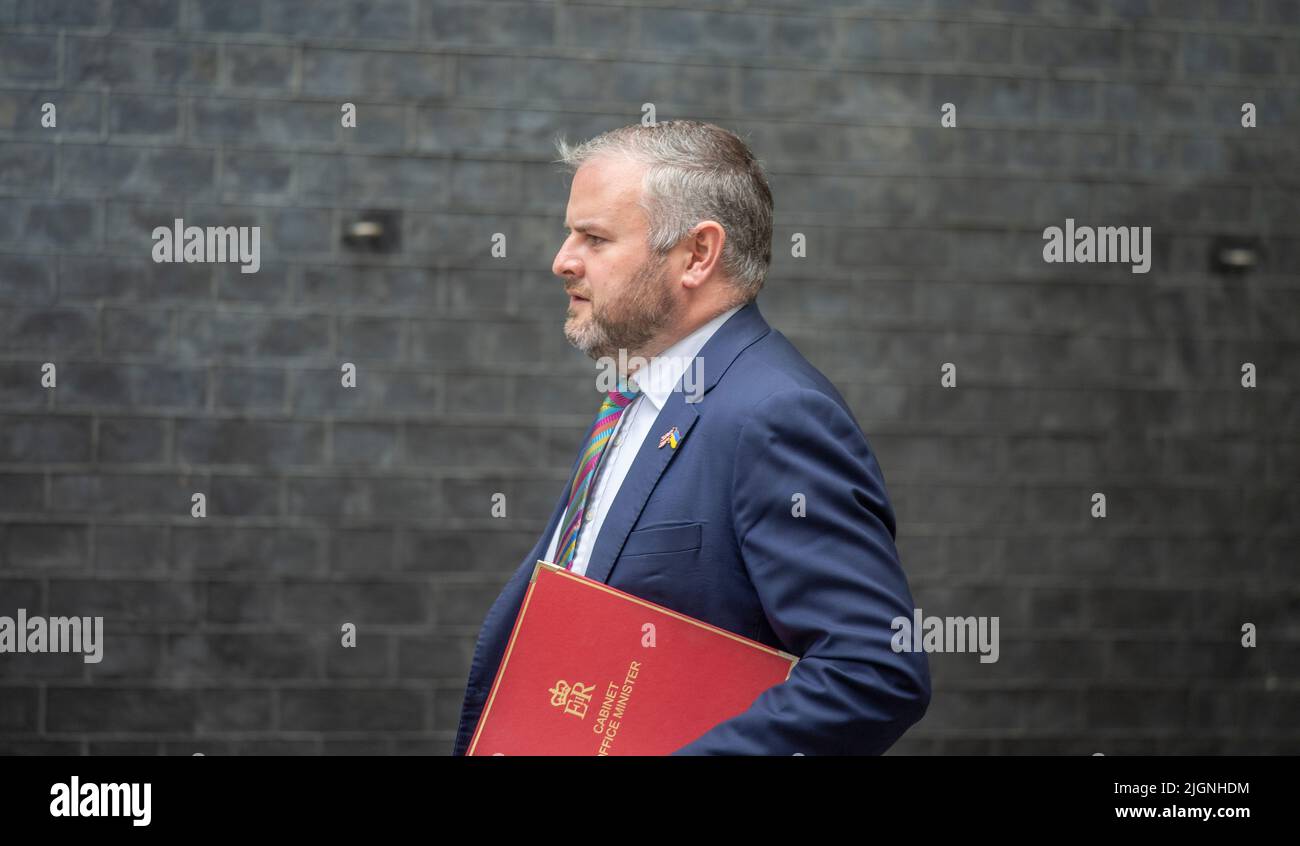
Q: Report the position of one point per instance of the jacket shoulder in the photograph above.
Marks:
(771, 365)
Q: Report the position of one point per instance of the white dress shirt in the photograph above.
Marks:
(655, 382)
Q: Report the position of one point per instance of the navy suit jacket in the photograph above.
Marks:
(711, 530)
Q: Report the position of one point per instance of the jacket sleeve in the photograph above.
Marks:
(830, 583)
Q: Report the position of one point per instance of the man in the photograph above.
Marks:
(750, 501)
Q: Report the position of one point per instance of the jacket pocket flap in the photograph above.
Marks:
(679, 538)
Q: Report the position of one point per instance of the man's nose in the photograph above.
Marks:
(566, 264)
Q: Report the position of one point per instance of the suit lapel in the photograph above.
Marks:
(539, 551)
(742, 329)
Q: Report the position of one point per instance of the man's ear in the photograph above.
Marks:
(704, 245)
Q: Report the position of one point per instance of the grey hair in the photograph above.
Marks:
(695, 171)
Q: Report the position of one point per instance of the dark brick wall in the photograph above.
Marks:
(372, 505)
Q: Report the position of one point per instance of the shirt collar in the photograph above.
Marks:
(663, 372)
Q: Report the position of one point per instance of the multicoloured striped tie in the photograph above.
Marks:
(610, 411)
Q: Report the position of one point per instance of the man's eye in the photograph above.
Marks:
(594, 238)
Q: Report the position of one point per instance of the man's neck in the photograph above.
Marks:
(666, 339)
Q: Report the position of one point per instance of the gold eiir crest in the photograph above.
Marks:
(573, 698)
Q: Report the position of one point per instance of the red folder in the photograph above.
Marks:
(593, 670)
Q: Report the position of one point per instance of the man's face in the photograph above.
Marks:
(620, 295)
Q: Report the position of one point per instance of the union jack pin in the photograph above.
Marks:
(671, 437)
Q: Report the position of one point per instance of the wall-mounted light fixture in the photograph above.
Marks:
(373, 231)
(1234, 254)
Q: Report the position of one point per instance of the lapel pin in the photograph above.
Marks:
(671, 437)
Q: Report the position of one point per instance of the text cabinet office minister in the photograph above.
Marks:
(670, 233)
